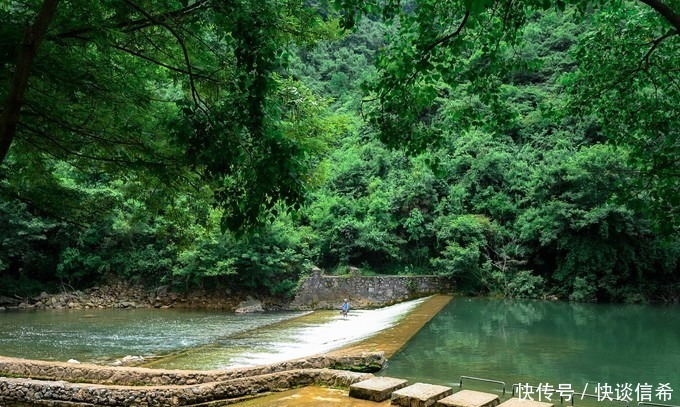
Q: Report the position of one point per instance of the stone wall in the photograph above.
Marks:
(39, 383)
(321, 291)
(20, 392)
(133, 376)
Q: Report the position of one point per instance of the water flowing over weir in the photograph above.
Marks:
(313, 333)
(355, 344)
(189, 339)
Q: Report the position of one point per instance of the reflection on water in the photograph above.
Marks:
(191, 339)
(545, 342)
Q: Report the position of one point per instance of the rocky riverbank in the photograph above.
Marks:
(317, 291)
(122, 295)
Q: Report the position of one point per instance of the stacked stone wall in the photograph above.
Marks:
(19, 392)
(319, 291)
(39, 383)
(134, 376)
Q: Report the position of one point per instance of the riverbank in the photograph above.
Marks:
(316, 291)
(119, 294)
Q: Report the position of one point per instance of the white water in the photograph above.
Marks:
(191, 339)
(334, 334)
(319, 332)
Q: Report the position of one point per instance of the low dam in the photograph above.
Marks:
(320, 291)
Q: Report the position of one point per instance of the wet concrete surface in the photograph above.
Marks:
(311, 396)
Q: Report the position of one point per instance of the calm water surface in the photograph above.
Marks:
(546, 342)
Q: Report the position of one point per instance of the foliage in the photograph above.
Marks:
(183, 92)
(494, 150)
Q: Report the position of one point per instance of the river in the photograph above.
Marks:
(574, 345)
(583, 346)
(187, 339)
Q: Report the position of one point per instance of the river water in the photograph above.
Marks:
(583, 346)
(186, 339)
(574, 345)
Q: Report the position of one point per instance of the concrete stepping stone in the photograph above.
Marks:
(470, 398)
(376, 389)
(515, 402)
(420, 395)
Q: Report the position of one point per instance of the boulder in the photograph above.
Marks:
(128, 304)
(8, 300)
(128, 360)
(249, 305)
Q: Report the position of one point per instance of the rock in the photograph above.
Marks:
(128, 304)
(73, 361)
(8, 300)
(249, 305)
(128, 360)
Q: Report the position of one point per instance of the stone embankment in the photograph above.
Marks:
(38, 383)
(319, 291)
(130, 376)
(18, 392)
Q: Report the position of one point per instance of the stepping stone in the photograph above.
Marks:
(420, 395)
(376, 389)
(470, 398)
(515, 402)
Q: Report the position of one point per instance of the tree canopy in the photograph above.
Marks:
(627, 77)
(523, 148)
(185, 92)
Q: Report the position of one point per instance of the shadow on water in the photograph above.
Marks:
(545, 342)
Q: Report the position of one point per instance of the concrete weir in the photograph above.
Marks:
(36, 383)
(389, 341)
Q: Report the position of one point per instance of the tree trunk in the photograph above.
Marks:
(33, 35)
(666, 12)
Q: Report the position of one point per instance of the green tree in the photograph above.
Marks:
(168, 89)
(626, 77)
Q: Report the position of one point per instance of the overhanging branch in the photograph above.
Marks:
(666, 12)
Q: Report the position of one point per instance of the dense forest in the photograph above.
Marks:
(526, 149)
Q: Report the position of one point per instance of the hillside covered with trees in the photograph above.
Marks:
(525, 149)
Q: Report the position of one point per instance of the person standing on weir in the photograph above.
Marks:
(345, 308)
